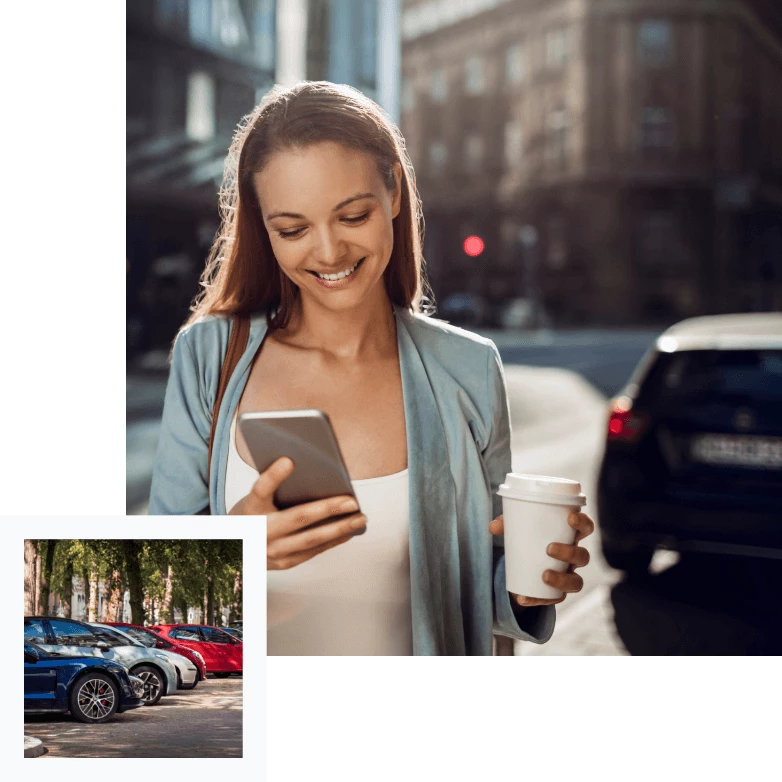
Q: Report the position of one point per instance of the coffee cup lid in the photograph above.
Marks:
(542, 488)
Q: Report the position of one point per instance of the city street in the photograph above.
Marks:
(201, 723)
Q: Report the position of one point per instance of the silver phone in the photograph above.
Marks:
(307, 437)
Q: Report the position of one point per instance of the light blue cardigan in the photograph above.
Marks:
(458, 451)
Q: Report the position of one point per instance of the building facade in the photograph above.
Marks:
(621, 159)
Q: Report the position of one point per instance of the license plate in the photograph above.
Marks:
(738, 450)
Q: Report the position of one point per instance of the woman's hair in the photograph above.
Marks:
(242, 275)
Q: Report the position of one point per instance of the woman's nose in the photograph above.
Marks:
(330, 248)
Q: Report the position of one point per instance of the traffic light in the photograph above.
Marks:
(473, 246)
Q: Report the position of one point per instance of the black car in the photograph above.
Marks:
(693, 458)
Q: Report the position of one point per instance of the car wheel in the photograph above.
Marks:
(153, 684)
(94, 698)
(222, 674)
(634, 562)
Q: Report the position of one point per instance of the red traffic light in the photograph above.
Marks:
(473, 246)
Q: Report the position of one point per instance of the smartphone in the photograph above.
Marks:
(307, 437)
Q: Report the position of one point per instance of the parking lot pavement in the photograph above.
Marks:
(201, 723)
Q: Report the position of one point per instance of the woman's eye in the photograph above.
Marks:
(290, 234)
(356, 219)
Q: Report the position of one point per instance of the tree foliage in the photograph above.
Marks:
(160, 575)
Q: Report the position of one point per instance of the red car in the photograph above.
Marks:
(220, 650)
(152, 639)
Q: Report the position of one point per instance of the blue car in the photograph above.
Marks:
(92, 689)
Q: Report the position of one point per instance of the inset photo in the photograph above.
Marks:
(133, 648)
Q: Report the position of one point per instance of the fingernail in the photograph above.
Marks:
(547, 576)
(549, 549)
(348, 506)
(285, 463)
(361, 521)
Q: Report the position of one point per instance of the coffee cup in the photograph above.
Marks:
(535, 510)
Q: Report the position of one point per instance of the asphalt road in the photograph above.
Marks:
(201, 723)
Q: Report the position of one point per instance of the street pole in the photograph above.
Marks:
(528, 236)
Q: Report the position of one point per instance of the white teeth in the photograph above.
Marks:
(340, 276)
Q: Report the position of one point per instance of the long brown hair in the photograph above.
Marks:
(242, 275)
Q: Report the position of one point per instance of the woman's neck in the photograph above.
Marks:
(365, 332)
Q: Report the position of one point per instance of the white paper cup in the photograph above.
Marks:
(535, 509)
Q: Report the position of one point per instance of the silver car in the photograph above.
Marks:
(187, 673)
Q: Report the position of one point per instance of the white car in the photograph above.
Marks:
(187, 673)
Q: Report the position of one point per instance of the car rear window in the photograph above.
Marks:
(740, 374)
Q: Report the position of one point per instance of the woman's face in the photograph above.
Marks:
(328, 212)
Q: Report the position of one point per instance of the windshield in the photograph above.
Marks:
(142, 636)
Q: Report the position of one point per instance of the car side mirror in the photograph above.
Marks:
(160, 644)
(102, 645)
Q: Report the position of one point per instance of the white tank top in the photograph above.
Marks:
(353, 599)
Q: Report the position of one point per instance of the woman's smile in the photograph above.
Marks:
(338, 279)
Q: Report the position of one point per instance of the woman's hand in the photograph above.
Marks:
(576, 556)
(288, 543)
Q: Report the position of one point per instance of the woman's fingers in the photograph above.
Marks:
(582, 524)
(497, 527)
(528, 602)
(566, 582)
(577, 556)
(299, 542)
(284, 563)
(290, 520)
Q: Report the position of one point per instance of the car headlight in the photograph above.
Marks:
(198, 656)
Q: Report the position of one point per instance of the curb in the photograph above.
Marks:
(33, 748)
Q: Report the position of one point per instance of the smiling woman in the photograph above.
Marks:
(314, 299)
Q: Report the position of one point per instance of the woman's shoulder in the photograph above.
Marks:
(209, 333)
(448, 340)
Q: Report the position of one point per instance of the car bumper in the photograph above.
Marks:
(188, 675)
(628, 523)
(130, 703)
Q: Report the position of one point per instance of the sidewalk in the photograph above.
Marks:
(585, 629)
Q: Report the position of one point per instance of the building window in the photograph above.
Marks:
(557, 134)
(557, 47)
(200, 118)
(515, 64)
(473, 152)
(514, 144)
(438, 86)
(656, 128)
(475, 78)
(658, 240)
(438, 156)
(408, 96)
(655, 42)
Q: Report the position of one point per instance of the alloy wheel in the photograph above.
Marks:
(151, 685)
(95, 698)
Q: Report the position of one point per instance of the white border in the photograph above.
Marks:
(251, 531)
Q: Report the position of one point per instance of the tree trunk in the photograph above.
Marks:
(114, 597)
(119, 610)
(85, 582)
(67, 597)
(30, 596)
(92, 610)
(46, 576)
(38, 568)
(166, 609)
(236, 606)
(132, 550)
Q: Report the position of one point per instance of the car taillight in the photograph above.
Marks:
(623, 424)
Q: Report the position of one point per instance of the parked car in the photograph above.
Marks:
(238, 623)
(186, 671)
(151, 639)
(220, 650)
(463, 309)
(693, 458)
(92, 689)
(234, 631)
(68, 636)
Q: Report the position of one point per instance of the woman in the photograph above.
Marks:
(321, 248)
